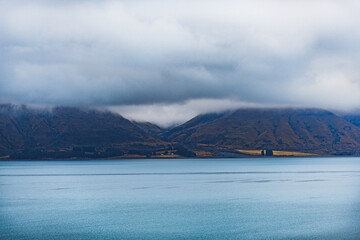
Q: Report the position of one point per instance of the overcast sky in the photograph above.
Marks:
(167, 61)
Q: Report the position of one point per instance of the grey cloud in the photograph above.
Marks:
(170, 53)
(166, 115)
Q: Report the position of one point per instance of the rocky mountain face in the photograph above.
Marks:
(309, 130)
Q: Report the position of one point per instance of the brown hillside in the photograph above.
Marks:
(309, 130)
(69, 132)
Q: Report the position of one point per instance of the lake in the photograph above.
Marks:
(255, 198)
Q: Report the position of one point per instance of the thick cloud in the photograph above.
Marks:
(169, 53)
(167, 115)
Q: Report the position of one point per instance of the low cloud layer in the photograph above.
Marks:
(168, 115)
(147, 54)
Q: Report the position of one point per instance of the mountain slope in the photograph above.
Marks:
(354, 119)
(196, 121)
(68, 131)
(148, 127)
(310, 130)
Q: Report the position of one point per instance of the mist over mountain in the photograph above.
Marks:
(170, 61)
(70, 132)
(118, 119)
(66, 132)
(309, 130)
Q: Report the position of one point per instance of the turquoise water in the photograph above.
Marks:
(268, 198)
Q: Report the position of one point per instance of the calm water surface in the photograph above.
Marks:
(268, 198)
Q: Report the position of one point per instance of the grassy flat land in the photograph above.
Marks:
(250, 152)
(277, 153)
(166, 156)
(131, 156)
(203, 154)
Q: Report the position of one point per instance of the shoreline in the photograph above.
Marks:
(178, 158)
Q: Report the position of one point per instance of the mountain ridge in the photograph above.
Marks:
(68, 131)
(65, 132)
(314, 130)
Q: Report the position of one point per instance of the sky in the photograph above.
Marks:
(166, 61)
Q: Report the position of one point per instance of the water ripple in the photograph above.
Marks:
(174, 173)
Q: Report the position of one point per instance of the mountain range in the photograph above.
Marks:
(68, 132)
